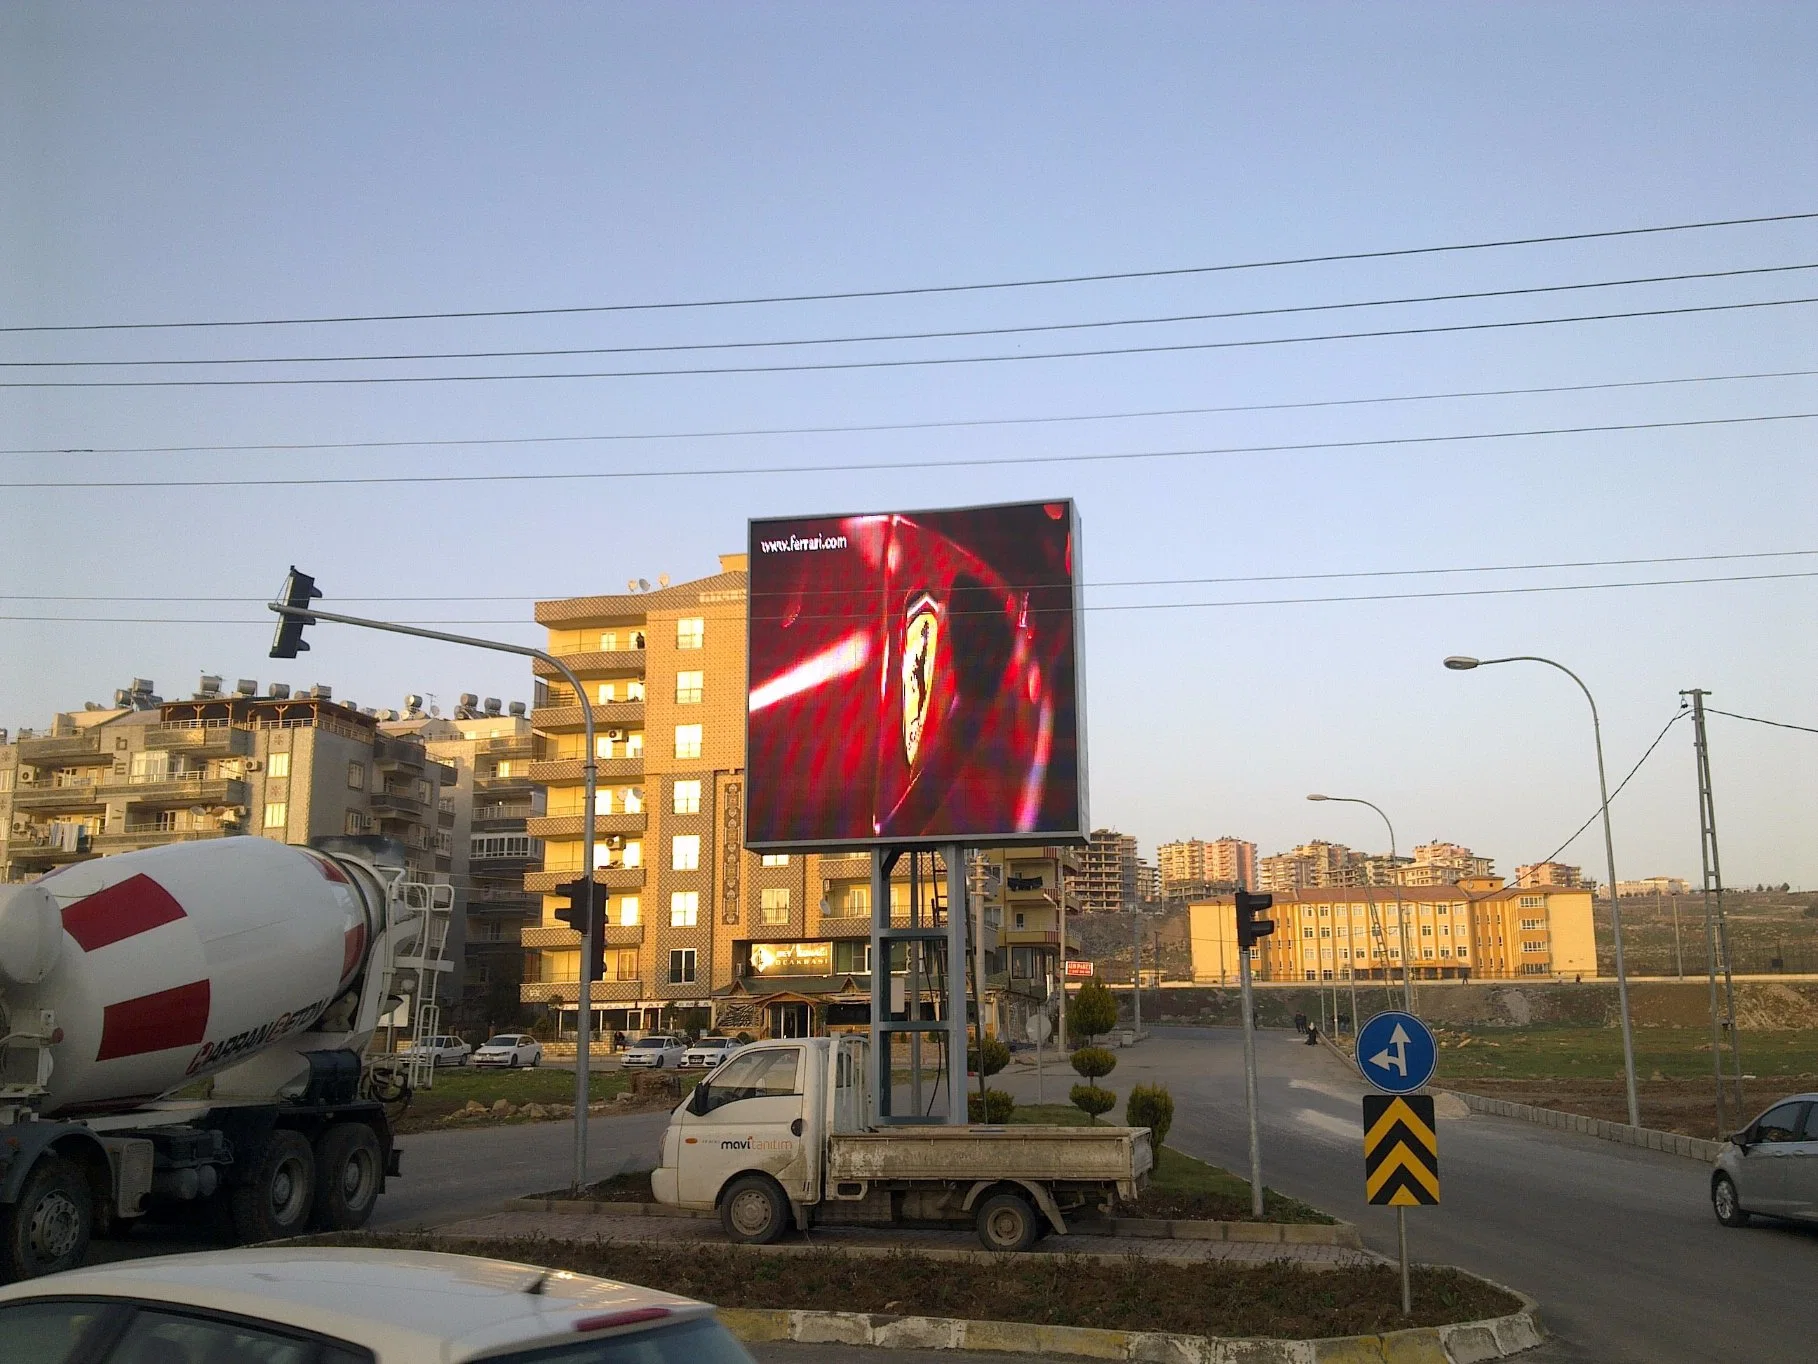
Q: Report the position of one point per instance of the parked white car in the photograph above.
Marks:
(285, 1304)
(655, 1052)
(445, 1050)
(511, 1049)
(709, 1052)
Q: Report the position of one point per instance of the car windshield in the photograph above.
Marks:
(501, 1041)
(702, 1341)
(656, 1043)
(712, 1043)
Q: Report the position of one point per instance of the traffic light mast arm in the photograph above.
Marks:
(591, 947)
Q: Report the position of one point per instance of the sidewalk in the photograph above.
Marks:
(879, 1241)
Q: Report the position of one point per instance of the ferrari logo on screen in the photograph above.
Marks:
(921, 643)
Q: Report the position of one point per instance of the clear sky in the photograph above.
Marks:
(235, 162)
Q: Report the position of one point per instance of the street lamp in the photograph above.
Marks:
(1463, 663)
(1407, 976)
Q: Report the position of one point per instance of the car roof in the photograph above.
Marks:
(403, 1304)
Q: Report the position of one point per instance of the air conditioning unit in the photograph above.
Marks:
(255, 765)
(615, 734)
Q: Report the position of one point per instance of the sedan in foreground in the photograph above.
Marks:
(709, 1052)
(510, 1049)
(1770, 1166)
(296, 1305)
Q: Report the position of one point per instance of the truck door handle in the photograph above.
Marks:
(795, 1128)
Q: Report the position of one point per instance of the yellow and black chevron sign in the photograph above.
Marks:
(1401, 1150)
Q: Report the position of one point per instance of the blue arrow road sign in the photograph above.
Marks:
(1396, 1052)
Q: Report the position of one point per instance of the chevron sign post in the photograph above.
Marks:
(1401, 1163)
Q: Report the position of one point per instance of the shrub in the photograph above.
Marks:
(1092, 1012)
(1094, 1062)
(1091, 1099)
(997, 1056)
(1151, 1106)
(994, 1107)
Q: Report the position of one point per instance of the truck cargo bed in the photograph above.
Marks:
(1107, 1155)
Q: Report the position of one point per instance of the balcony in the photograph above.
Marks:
(516, 746)
(620, 661)
(518, 783)
(200, 739)
(398, 755)
(503, 902)
(150, 836)
(388, 804)
(567, 771)
(39, 853)
(555, 938)
(74, 795)
(846, 866)
(76, 750)
(613, 878)
(606, 715)
(845, 926)
(572, 826)
(493, 816)
(567, 991)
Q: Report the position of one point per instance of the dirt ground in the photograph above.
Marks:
(1688, 1107)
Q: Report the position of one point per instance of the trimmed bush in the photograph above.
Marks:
(1092, 1012)
(1091, 1099)
(997, 1056)
(1094, 1062)
(1151, 1106)
(995, 1107)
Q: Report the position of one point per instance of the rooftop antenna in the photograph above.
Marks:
(643, 584)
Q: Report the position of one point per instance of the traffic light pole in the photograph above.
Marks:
(1243, 985)
(590, 943)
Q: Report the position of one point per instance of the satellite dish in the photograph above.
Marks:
(643, 584)
(435, 711)
(631, 584)
(662, 580)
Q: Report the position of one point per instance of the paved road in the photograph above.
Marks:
(1619, 1245)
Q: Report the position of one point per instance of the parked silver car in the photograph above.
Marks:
(1771, 1166)
(657, 1051)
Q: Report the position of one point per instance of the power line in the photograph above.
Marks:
(1113, 582)
(1777, 724)
(982, 461)
(921, 362)
(1595, 814)
(732, 302)
(907, 426)
(1036, 610)
(957, 334)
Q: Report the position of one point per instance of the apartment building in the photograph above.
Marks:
(1477, 929)
(1443, 864)
(1032, 895)
(1653, 885)
(1549, 874)
(1148, 883)
(1311, 865)
(147, 772)
(1223, 862)
(1106, 879)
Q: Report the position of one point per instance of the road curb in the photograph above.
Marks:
(1648, 1138)
(1467, 1342)
(1341, 1234)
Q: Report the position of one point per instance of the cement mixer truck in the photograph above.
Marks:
(127, 982)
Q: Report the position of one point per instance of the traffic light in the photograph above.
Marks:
(1249, 927)
(582, 896)
(299, 590)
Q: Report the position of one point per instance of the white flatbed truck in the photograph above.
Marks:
(782, 1132)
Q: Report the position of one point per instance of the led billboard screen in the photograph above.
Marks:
(915, 679)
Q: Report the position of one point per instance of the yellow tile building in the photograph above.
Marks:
(1479, 929)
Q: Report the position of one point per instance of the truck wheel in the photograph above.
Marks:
(47, 1230)
(1006, 1222)
(754, 1211)
(275, 1201)
(348, 1170)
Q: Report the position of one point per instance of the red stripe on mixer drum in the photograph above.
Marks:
(124, 910)
(154, 1022)
(353, 943)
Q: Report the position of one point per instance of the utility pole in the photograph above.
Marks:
(1136, 974)
(1716, 925)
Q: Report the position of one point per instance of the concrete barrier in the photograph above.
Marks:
(1649, 1138)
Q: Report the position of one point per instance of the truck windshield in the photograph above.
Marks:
(702, 1341)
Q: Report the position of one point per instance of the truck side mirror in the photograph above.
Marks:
(697, 1101)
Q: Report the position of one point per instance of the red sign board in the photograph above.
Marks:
(1077, 969)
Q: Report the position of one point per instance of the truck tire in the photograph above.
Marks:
(47, 1230)
(349, 1171)
(275, 1202)
(754, 1211)
(1006, 1222)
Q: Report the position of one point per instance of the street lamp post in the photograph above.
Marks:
(1401, 921)
(1462, 663)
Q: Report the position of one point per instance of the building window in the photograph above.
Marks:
(1533, 948)
(1532, 902)
(1325, 931)
(773, 905)
(625, 965)
(1306, 932)
(684, 908)
(356, 776)
(853, 903)
(1426, 930)
(776, 859)
(628, 913)
(277, 814)
(499, 845)
(608, 693)
(356, 822)
(685, 798)
(278, 765)
(1445, 951)
(681, 966)
(1533, 925)
(609, 642)
(685, 852)
(634, 854)
(687, 741)
(689, 631)
(1461, 950)
(688, 689)
(1312, 975)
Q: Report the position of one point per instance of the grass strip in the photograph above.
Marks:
(1277, 1299)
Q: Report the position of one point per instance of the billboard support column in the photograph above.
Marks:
(958, 903)
(882, 859)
